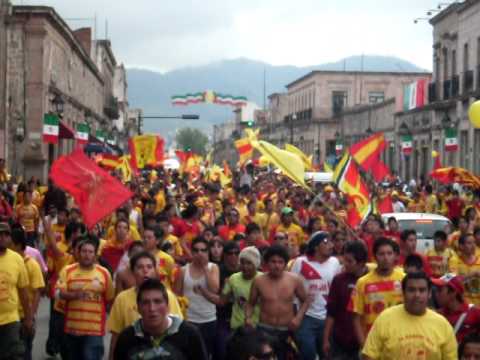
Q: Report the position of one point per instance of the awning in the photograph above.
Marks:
(65, 131)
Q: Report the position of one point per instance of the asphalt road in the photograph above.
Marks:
(41, 333)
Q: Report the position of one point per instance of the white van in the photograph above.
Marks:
(424, 224)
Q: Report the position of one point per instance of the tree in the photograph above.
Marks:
(189, 139)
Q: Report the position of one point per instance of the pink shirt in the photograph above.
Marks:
(35, 254)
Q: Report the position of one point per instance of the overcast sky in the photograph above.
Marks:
(164, 35)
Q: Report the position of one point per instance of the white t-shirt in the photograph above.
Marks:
(317, 278)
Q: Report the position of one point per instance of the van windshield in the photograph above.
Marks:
(424, 228)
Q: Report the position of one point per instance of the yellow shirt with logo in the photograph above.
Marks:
(165, 268)
(86, 316)
(13, 275)
(175, 241)
(124, 310)
(132, 234)
(374, 293)
(472, 286)
(439, 261)
(35, 280)
(396, 334)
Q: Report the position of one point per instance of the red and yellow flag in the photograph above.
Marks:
(349, 181)
(459, 175)
(108, 161)
(367, 154)
(245, 150)
(146, 150)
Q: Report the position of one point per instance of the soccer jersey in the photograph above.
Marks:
(124, 310)
(13, 275)
(374, 293)
(28, 216)
(397, 334)
(317, 278)
(175, 242)
(458, 266)
(296, 236)
(439, 261)
(86, 316)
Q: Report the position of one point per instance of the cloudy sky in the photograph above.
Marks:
(167, 34)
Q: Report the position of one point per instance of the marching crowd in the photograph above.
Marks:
(259, 268)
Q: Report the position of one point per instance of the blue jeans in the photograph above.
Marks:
(309, 336)
(84, 347)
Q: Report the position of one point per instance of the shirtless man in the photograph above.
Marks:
(276, 291)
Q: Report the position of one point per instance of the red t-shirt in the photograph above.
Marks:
(470, 324)
(455, 207)
(227, 232)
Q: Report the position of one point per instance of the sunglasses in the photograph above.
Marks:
(198, 250)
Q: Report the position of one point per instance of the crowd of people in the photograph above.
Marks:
(259, 268)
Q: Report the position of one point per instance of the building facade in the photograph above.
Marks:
(44, 60)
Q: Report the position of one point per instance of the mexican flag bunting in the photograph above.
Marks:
(339, 147)
(407, 144)
(110, 140)
(100, 135)
(81, 135)
(51, 126)
(451, 143)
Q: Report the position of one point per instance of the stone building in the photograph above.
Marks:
(455, 86)
(120, 88)
(44, 60)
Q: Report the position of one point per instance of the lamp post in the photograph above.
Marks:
(58, 104)
(292, 121)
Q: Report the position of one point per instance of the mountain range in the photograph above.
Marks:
(151, 91)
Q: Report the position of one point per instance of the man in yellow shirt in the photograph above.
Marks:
(439, 256)
(411, 330)
(28, 215)
(165, 263)
(124, 311)
(13, 287)
(35, 279)
(164, 224)
(467, 264)
(377, 290)
(87, 289)
(296, 236)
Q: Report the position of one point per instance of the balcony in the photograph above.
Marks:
(111, 108)
(432, 92)
(467, 81)
(455, 85)
(447, 89)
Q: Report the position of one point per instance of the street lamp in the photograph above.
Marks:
(403, 129)
(293, 119)
(58, 104)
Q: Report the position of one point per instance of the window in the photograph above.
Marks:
(376, 97)
(454, 62)
(339, 101)
(445, 64)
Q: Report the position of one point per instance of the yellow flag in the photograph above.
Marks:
(125, 168)
(307, 160)
(290, 164)
(252, 135)
(327, 167)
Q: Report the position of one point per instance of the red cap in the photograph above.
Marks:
(454, 281)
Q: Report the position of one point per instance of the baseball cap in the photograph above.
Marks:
(454, 281)
(287, 211)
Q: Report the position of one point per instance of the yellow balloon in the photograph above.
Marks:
(474, 114)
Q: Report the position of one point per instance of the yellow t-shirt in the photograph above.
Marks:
(28, 216)
(439, 261)
(160, 202)
(165, 267)
(13, 275)
(397, 334)
(374, 293)
(86, 316)
(259, 218)
(296, 236)
(177, 247)
(133, 233)
(124, 310)
(431, 204)
(35, 280)
(472, 287)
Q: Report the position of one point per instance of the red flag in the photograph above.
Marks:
(96, 192)
(385, 205)
(367, 154)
